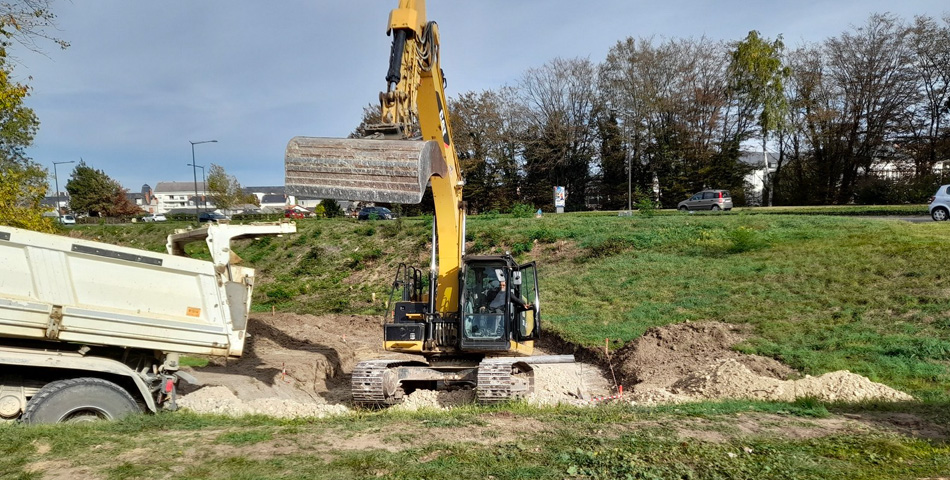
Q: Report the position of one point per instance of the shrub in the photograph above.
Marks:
(522, 210)
(744, 239)
(646, 207)
(521, 247)
(310, 261)
(358, 258)
(365, 230)
(331, 209)
(544, 234)
(279, 292)
(609, 246)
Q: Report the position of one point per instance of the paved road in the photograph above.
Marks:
(915, 219)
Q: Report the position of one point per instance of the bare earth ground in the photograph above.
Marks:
(299, 365)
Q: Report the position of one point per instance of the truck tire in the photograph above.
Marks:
(79, 400)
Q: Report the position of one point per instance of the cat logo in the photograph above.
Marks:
(445, 130)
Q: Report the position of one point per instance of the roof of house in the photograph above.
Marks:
(265, 190)
(755, 159)
(273, 198)
(179, 187)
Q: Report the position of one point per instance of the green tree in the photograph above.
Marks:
(21, 191)
(225, 190)
(22, 181)
(758, 77)
(330, 208)
(96, 194)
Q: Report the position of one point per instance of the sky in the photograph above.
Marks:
(141, 80)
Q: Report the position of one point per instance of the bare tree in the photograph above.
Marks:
(871, 70)
(927, 120)
(559, 98)
(26, 21)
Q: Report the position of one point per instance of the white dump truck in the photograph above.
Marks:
(90, 330)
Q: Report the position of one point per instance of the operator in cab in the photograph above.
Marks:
(498, 302)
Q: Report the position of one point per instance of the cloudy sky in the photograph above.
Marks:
(142, 79)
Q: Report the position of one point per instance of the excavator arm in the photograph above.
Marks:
(379, 169)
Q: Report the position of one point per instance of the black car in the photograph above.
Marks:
(212, 217)
(376, 213)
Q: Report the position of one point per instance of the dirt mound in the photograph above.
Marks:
(665, 354)
(731, 379)
(694, 361)
(221, 400)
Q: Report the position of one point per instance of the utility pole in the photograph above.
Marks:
(194, 172)
(59, 212)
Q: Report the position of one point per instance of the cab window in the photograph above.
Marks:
(527, 290)
(484, 303)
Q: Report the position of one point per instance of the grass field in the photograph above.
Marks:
(706, 441)
(821, 293)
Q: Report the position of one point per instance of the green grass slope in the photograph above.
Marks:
(822, 292)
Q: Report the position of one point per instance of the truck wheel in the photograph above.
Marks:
(79, 400)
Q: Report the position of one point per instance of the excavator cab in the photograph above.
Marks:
(499, 303)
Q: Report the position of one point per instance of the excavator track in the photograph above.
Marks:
(373, 383)
(503, 379)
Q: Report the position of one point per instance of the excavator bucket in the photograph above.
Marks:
(394, 171)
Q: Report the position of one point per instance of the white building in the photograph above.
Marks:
(180, 195)
(755, 180)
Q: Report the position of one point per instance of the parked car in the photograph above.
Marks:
(213, 217)
(381, 213)
(154, 217)
(67, 219)
(290, 213)
(940, 204)
(707, 200)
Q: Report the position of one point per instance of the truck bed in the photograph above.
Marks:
(57, 288)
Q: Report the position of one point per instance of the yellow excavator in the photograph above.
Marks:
(477, 325)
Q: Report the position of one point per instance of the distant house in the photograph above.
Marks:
(177, 195)
(61, 199)
(755, 180)
(276, 197)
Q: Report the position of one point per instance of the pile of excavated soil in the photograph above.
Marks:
(220, 400)
(731, 379)
(300, 366)
(694, 361)
(663, 355)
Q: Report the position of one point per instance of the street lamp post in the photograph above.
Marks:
(204, 203)
(194, 172)
(59, 212)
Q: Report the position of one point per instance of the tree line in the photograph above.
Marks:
(836, 115)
